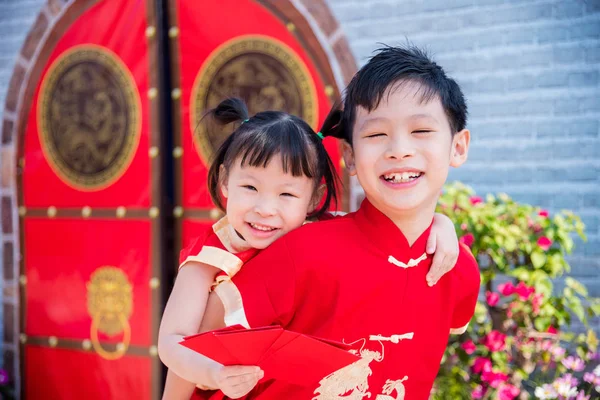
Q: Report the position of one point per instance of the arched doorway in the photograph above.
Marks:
(102, 173)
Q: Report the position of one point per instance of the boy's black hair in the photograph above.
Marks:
(265, 135)
(391, 66)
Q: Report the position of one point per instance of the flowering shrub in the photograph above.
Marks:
(518, 345)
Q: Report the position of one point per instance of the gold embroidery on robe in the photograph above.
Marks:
(352, 381)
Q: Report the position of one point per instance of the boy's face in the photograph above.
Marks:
(402, 151)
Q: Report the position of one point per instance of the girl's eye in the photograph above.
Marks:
(423, 131)
(250, 187)
(374, 135)
(288, 195)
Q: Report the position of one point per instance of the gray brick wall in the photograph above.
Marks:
(16, 19)
(530, 71)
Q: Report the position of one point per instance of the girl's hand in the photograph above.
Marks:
(443, 242)
(237, 380)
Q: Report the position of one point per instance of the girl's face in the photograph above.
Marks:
(264, 204)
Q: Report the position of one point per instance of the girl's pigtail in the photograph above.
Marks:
(333, 126)
(228, 111)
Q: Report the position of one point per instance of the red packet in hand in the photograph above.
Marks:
(305, 360)
(290, 356)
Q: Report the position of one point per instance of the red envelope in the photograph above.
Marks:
(289, 356)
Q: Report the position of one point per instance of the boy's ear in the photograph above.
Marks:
(316, 199)
(223, 181)
(460, 148)
(349, 158)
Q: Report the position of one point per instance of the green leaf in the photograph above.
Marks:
(575, 305)
(576, 286)
(538, 259)
(542, 323)
(521, 273)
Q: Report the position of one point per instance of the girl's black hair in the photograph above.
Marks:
(265, 135)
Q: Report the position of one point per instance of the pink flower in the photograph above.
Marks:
(469, 347)
(467, 239)
(478, 392)
(552, 330)
(508, 392)
(506, 288)
(557, 352)
(567, 379)
(495, 341)
(524, 291)
(546, 345)
(463, 226)
(481, 365)
(574, 363)
(544, 243)
(476, 200)
(494, 379)
(492, 298)
(543, 213)
(591, 378)
(581, 396)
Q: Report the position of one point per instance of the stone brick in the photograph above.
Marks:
(17, 80)
(569, 54)
(7, 131)
(35, 35)
(565, 10)
(8, 261)
(585, 30)
(55, 6)
(592, 54)
(583, 78)
(9, 363)
(8, 167)
(7, 216)
(322, 14)
(8, 310)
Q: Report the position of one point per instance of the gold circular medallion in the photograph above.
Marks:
(264, 72)
(89, 117)
(109, 299)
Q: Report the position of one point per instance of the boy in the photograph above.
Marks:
(347, 279)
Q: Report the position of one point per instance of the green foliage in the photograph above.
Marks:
(525, 249)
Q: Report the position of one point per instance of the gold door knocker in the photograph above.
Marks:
(110, 303)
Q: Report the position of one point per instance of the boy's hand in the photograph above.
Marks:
(237, 380)
(443, 243)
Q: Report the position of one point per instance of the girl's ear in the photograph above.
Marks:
(317, 197)
(223, 181)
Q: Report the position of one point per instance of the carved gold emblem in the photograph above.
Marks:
(89, 117)
(110, 303)
(264, 72)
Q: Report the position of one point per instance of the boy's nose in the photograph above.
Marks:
(399, 149)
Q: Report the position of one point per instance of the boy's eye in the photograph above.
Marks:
(249, 187)
(373, 135)
(422, 131)
(288, 195)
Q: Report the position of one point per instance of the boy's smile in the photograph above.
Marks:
(402, 150)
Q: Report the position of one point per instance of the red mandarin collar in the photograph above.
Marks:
(386, 236)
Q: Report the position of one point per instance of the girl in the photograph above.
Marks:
(274, 172)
